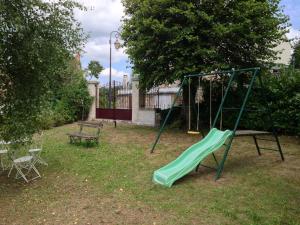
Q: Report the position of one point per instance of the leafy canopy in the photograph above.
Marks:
(166, 39)
(37, 41)
(94, 69)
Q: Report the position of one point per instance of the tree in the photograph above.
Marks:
(166, 39)
(94, 69)
(38, 39)
(296, 56)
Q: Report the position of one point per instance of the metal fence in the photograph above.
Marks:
(121, 96)
(160, 98)
(121, 102)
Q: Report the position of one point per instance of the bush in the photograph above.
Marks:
(173, 118)
(70, 102)
(74, 103)
(282, 94)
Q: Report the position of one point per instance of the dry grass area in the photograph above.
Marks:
(111, 183)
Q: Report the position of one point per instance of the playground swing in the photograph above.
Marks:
(210, 100)
(197, 131)
(192, 157)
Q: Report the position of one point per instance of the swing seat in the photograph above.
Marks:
(193, 132)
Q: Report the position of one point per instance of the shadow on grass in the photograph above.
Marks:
(86, 144)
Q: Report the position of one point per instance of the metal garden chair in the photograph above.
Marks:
(3, 154)
(36, 149)
(24, 165)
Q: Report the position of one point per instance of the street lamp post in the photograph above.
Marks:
(117, 46)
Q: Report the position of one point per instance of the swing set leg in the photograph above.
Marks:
(256, 145)
(221, 165)
(197, 168)
(215, 158)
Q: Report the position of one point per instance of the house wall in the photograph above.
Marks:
(285, 52)
(145, 117)
(141, 116)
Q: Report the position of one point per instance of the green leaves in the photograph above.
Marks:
(94, 69)
(38, 39)
(282, 92)
(167, 39)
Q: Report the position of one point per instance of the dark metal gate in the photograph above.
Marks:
(121, 102)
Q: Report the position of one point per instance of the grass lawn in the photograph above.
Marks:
(111, 183)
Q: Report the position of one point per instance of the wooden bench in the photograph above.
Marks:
(89, 137)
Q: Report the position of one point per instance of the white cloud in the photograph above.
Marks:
(114, 73)
(293, 34)
(99, 51)
(101, 17)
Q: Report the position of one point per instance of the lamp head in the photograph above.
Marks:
(117, 44)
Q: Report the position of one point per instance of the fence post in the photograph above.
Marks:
(158, 98)
(135, 99)
(114, 103)
(92, 87)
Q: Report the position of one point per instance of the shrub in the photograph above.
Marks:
(74, 103)
(281, 93)
(69, 102)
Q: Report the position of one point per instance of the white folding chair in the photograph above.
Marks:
(37, 148)
(23, 165)
(3, 155)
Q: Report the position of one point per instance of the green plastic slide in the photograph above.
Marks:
(191, 157)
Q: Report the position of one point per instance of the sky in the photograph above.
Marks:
(292, 9)
(104, 16)
(101, 18)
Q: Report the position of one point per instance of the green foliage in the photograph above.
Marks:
(281, 93)
(94, 69)
(167, 39)
(173, 120)
(75, 102)
(104, 99)
(70, 102)
(38, 39)
(296, 56)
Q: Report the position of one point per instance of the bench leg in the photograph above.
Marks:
(75, 140)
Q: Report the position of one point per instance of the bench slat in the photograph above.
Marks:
(87, 124)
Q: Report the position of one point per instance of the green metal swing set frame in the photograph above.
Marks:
(255, 73)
